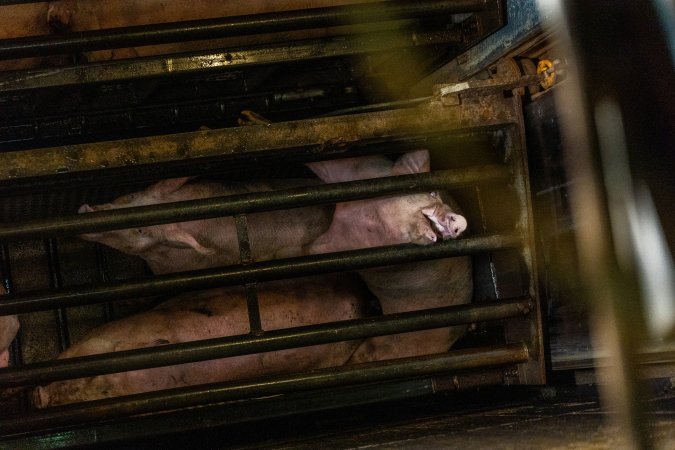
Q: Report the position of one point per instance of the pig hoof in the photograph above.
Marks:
(40, 397)
(4, 359)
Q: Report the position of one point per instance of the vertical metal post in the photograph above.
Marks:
(534, 371)
(251, 288)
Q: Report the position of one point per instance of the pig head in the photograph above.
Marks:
(417, 218)
(414, 218)
(213, 242)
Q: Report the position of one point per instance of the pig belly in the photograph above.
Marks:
(211, 314)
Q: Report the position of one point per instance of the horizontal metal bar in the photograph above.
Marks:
(18, 2)
(254, 272)
(251, 202)
(237, 412)
(188, 352)
(322, 378)
(231, 26)
(196, 62)
(319, 136)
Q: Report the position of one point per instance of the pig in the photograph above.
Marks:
(210, 314)
(417, 218)
(9, 326)
(213, 242)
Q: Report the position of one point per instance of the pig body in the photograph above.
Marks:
(213, 242)
(9, 326)
(415, 218)
(210, 314)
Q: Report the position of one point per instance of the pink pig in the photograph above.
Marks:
(210, 314)
(414, 218)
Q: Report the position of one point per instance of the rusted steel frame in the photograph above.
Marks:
(245, 258)
(490, 85)
(251, 202)
(184, 63)
(315, 136)
(229, 346)
(530, 329)
(231, 26)
(255, 272)
(321, 378)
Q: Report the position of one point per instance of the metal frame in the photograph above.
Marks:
(233, 26)
(491, 113)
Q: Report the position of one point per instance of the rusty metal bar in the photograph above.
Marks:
(322, 378)
(228, 346)
(245, 258)
(320, 136)
(530, 330)
(255, 272)
(184, 63)
(251, 202)
(231, 26)
(151, 425)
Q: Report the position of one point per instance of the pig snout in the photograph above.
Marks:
(446, 223)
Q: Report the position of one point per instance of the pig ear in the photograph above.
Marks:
(178, 237)
(326, 170)
(413, 162)
(85, 209)
(165, 187)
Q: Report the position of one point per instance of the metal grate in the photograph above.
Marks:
(87, 283)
